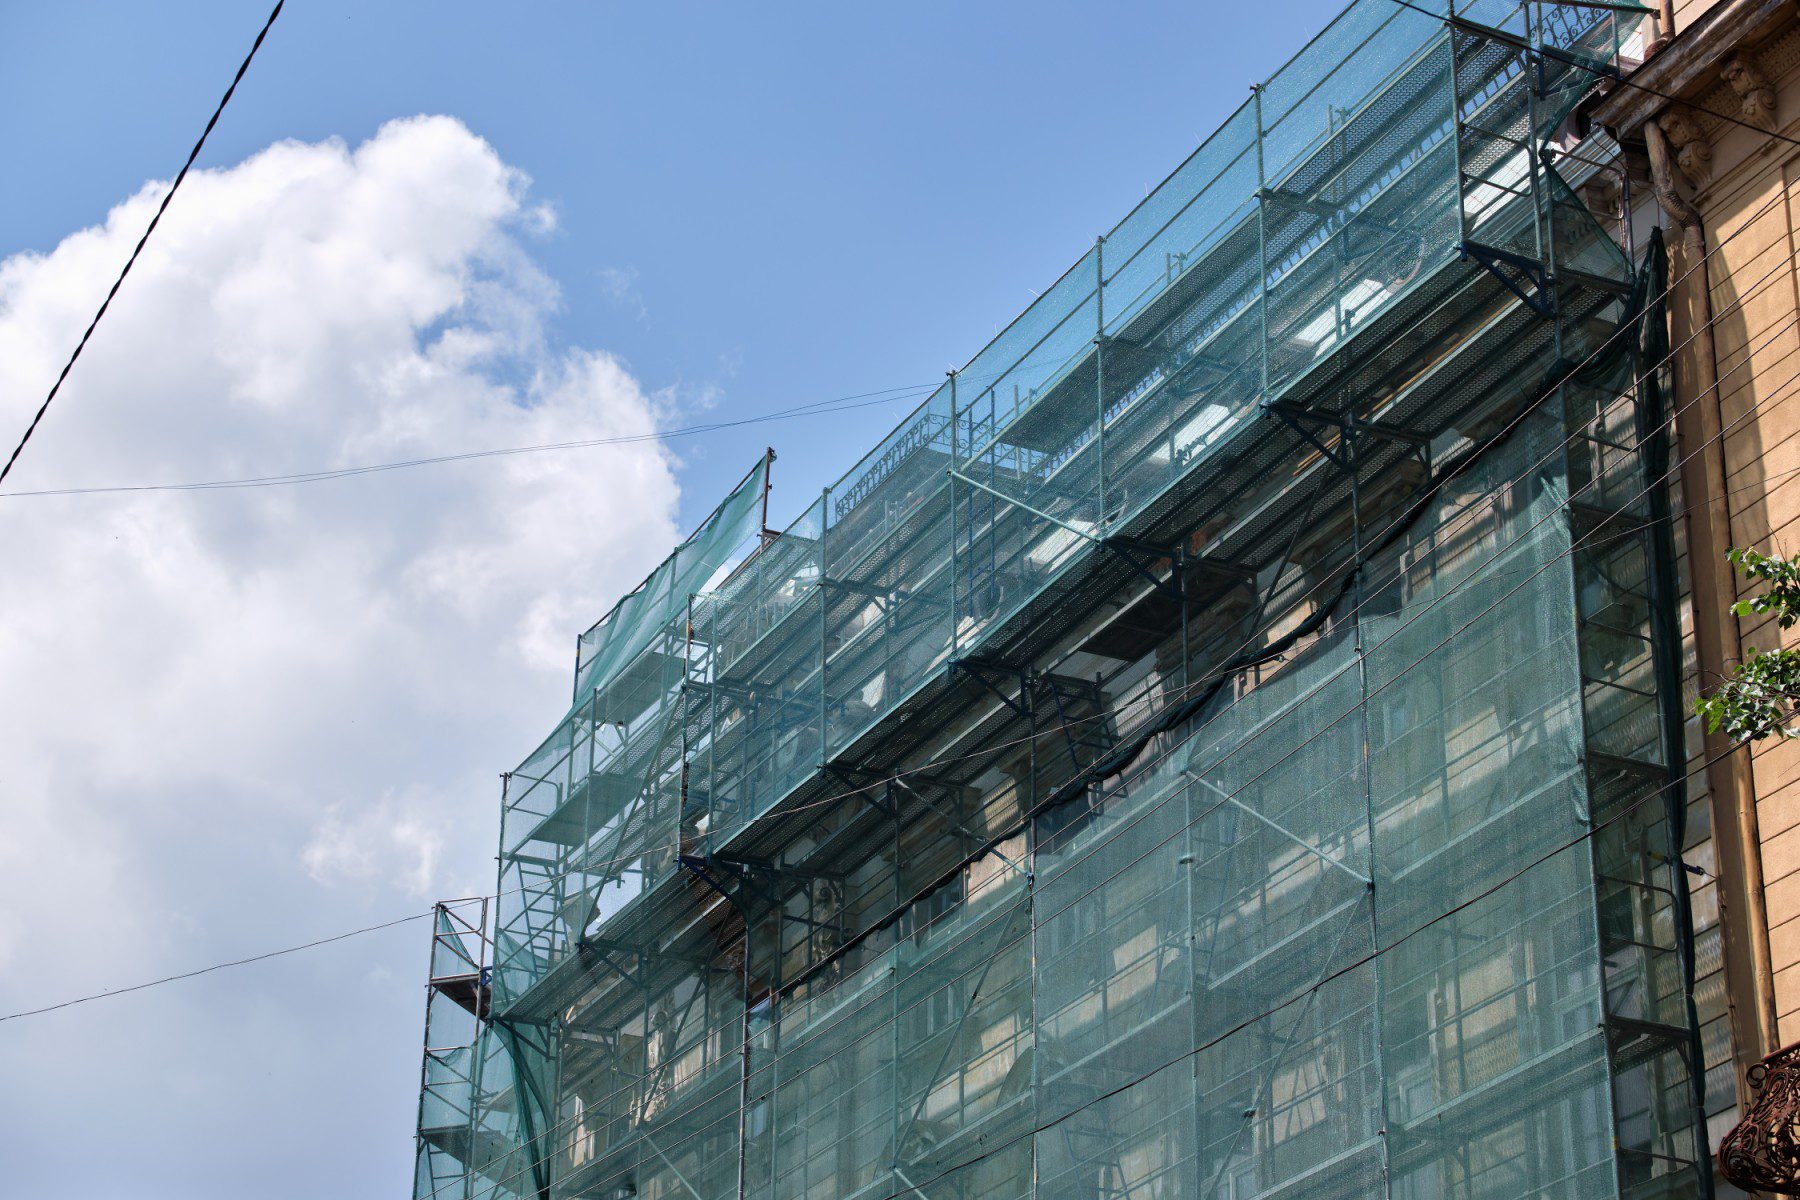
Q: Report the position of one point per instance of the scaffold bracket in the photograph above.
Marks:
(1142, 557)
(1524, 271)
(978, 669)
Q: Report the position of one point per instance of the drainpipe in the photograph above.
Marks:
(1743, 917)
(1665, 29)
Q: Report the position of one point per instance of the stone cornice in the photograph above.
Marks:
(1689, 67)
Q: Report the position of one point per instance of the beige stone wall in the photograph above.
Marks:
(1751, 202)
(1687, 11)
(1745, 185)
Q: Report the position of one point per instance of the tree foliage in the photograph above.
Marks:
(1760, 699)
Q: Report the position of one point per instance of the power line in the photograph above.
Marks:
(1773, 331)
(855, 400)
(324, 475)
(313, 476)
(1455, 22)
(139, 248)
(1311, 989)
(666, 1147)
(1169, 695)
(328, 474)
(589, 867)
(1314, 987)
(1321, 982)
(1660, 481)
(219, 966)
(1274, 1009)
(841, 404)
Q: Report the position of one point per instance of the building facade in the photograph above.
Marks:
(1709, 137)
(1232, 740)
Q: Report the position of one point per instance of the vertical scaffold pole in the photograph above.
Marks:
(950, 487)
(743, 1107)
(681, 714)
(1181, 575)
(824, 626)
(711, 675)
(1653, 429)
(1571, 579)
(500, 864)
(1032, 989)
(894, 1097)
(1368, 788)
(1100, 383)
(1189, 862)
(1456, 153)
(1262, 234)
(764, 533)
(1546, 214)
(574, 863)
(1540, 204)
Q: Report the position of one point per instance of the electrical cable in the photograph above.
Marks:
(1313, 988)
(842, 404)
(1167, 694)
(410, 918)
(422, 914)
(139, 248)
(1322, 982)
(327, 474)
(1236, 1028)
(429, 914)
(1743, 297)
(1766, 207)
(1687, 456)
(847, 403)
(1089, 891)
(1621, 80)
(219, 966)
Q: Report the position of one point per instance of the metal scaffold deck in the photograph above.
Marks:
(1214, 747)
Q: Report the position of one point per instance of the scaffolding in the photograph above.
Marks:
(1219, 745)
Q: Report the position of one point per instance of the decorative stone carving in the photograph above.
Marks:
(1756, 95)
(1762, 1154)
(1693, 153)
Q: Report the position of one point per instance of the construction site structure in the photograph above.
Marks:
(1227, 742)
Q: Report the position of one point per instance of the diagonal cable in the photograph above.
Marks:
(139, 248)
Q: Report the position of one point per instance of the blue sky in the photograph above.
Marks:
(759, 205)
(239, 720)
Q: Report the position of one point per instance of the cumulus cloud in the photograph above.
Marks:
(231, 720)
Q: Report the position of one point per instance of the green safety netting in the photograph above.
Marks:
(1380, 905)
(622, 634)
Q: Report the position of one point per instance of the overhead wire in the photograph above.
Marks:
(1747, 357)
(840, 404)
(1311, 989)
(1616, 79)
(857, 400)
(1286, 1002)
(414, 917)
(1142, 814)
(912, 1185)
(993, 951)
(109, 993)
(327, 474)
(417, 916)
(1112, 711)
(130, 262)
(590, 868)
(1152, 691)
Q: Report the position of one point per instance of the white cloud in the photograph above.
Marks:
(393, 839)
(233, 720)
